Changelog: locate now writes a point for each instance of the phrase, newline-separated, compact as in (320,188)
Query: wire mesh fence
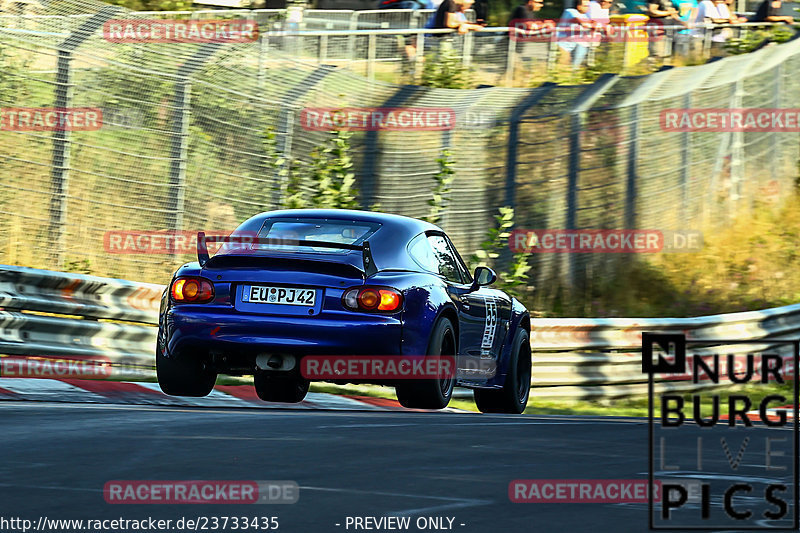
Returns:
(185,125)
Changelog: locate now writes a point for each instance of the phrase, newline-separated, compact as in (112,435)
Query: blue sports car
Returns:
(295,284)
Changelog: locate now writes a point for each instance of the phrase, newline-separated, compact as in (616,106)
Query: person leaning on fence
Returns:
(662,13)
(450,15)
(408,42)
(683,44)
(534,39)
(575,30)
(714,12)
(770,11)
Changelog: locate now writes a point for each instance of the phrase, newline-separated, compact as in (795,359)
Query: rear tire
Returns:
(280,387)
(513,397)
(432,393)
(184,377)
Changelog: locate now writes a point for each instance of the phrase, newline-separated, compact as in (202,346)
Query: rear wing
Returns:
(366,253)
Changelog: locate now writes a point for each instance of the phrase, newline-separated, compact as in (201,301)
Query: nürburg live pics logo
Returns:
(723,433)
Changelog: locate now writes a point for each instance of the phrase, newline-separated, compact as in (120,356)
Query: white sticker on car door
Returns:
(490,326)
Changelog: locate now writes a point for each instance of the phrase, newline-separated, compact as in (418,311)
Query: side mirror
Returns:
(483,276)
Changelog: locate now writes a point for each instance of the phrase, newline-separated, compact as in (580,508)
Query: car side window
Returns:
(421,252)
(445,258)
(462,267)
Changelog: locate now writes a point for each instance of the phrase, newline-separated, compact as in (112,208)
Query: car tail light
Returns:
(377,299)
(192,290)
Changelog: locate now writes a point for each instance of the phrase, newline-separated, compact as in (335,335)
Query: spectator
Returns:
(661,13)
(451,15)
(481,11)
(526,11)
(714,12)
(735,18)
(407,42)
(575,21)
(687,12)
(770,11)
(530,46)
(599,11)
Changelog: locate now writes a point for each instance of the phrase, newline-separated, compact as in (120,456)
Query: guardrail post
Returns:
(59,174)
(179,131)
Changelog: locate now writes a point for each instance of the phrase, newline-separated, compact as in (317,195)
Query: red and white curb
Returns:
(123,392)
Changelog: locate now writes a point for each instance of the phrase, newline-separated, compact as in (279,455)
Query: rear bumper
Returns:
(190,332)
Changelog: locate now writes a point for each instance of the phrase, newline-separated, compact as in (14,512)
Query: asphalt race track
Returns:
(56,459)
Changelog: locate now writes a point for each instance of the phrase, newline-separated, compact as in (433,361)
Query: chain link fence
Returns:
(182,146)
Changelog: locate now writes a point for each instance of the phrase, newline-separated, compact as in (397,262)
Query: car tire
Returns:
(513,397)
(432,393)
(184,377)
(280,386)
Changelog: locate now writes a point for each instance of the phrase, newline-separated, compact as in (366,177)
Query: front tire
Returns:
(184,377)
(280,387)
(513,397)
(432,393)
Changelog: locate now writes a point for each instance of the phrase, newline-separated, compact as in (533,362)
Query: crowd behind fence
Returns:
(184,147)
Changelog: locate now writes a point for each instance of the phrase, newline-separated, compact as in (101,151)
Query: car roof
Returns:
(388,244)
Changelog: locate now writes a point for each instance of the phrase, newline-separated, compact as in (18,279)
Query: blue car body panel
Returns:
(230,333)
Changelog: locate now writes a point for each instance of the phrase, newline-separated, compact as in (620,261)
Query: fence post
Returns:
(582,104)
(351,40)
(777,105)
(371,49)
(686,163)
(286,123)
(631,192)
(369,168)
(466,58)
(512,53)
(737,147)
(60,167)
(179,132)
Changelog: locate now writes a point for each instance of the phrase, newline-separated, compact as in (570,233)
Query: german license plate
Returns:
(261,294)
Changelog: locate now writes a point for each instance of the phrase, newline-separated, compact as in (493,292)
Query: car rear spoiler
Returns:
(366,253)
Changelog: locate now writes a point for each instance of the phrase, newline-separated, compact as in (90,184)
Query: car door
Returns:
(494,306)
(471,310)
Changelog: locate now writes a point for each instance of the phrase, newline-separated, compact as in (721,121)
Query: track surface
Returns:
(56,458)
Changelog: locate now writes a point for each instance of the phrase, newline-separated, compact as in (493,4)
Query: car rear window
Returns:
(327,230)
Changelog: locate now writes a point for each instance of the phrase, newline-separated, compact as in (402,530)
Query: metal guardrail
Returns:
(572,358)
(89,302)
